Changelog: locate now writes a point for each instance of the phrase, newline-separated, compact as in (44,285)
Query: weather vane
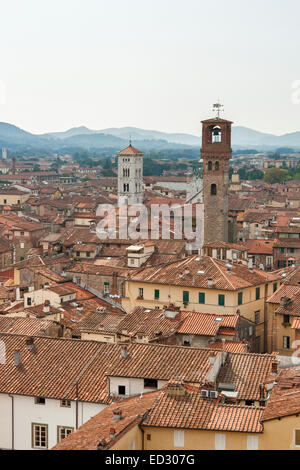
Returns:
(218,107)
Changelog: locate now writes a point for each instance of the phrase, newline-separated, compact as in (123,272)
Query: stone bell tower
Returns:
(130,176)
(216,152)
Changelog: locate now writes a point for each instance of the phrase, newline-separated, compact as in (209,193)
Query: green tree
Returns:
(275,175)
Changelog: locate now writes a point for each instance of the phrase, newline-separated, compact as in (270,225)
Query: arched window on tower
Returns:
(217,166)
(213,190)
(209,166)
(216,134)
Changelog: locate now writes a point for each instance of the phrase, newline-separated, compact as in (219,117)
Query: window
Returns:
(39,436)
(201,298)
(39,401)
(185,297)
(121,390)
(88,254)
(106,287)
(281,250)
(141,293)
(63,432)
(275,287)
(178,438)
(249,402)
(240,298)
(286,342)
(257,317)
(21,245)
(213,190)
(221,300)
(209,166)
(156,294)
(286,319)
(217,166)
(22,234)
(257,293)
(220,441)
(65,403)
(297,437)
(252,443)
(292,250)
(150,383)
(29,301)
(4,201)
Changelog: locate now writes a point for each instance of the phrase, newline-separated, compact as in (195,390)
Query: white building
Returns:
(130,176)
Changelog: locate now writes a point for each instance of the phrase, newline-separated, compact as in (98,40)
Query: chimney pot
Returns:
(124,352)
(29,343)
(112,433)
(117,414)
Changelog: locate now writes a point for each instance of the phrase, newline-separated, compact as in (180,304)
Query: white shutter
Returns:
(220,441)
(178,438)
(252,442)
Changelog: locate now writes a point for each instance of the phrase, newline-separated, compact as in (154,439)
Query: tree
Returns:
(275,175)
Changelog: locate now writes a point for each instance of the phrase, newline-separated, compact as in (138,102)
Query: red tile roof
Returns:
(285,396)
(130,151)
(206,324)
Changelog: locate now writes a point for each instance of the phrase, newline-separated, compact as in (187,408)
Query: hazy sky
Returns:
(156,64)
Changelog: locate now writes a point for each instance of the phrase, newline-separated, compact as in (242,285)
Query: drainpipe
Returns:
(12,422)
(76,400)
(143,437)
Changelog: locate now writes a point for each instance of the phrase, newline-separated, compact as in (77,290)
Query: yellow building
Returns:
(181,417)
(206,285)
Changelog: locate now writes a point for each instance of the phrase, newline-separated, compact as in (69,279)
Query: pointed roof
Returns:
(130,151)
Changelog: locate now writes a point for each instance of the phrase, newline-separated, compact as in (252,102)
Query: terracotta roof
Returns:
(190,411)
(246,371)
(296,323)
(285,396)
(23,326)
(201,269)
(130,151)
(260,247)
(97,429)
(230,346)
(206,324)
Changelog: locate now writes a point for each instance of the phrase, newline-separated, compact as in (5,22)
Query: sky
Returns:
(158,64)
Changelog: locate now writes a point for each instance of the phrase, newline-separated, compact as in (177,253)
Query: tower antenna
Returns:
(218,108)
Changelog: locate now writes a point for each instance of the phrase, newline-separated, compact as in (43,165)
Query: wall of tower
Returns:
(130,180)
(216,156)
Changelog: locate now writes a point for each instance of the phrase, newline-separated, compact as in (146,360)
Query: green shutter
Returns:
(240,298)
(275,287)
(186,296)
(201,298)
(156,294)
(221,300)
(257,293)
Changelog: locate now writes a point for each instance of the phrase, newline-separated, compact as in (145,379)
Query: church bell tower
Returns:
(216,152)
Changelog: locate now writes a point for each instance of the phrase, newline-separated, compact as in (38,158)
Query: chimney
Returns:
(212,358)
(102,445)
(187,272)
(262,392)
(29,343)
(17,357)
(124,352)
(46,308)
(112,434)
(210,282)
(117,413)
(275,367)
(176,388)
(18,295)
(284,301)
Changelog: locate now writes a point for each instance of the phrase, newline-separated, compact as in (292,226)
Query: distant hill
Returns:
(82,138)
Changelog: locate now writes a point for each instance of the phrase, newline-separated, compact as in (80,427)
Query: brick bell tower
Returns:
(216,152)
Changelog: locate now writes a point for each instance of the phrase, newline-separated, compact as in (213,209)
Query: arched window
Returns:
(209,166)
(213,190)
(216,134)
(217,166)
